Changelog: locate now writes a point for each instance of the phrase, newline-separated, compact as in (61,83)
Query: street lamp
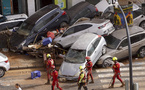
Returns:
(129,46)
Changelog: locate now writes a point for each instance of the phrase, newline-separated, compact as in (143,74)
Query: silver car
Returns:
(117,45)
(97,26)
(88,44)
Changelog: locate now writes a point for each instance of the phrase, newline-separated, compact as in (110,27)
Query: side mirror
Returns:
(120,48)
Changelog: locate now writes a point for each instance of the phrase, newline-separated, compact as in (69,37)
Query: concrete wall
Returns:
(71,3)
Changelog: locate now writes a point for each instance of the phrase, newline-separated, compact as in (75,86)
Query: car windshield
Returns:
(25,28)
(75,56)
(112,42)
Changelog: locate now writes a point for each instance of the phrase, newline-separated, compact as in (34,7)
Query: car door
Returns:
(122,49)
(97,50)
(136,42)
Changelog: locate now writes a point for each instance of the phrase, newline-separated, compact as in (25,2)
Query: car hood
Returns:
(70,69)
(3,57)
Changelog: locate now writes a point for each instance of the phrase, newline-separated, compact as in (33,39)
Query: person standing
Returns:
(54,74)
(116,70)
(82,79)
(89,66)
(49,64)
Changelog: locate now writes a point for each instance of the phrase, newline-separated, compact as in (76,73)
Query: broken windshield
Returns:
(76,56)
(25,28)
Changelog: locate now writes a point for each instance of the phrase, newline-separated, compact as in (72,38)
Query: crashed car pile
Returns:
(77,32)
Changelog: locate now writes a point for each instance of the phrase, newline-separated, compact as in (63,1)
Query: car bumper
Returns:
(68,77)
(7,66)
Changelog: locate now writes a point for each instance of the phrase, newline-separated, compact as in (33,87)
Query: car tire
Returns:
(141,52)
(63,24)
(2,72)
(104,50)
(142,25)
(107,63)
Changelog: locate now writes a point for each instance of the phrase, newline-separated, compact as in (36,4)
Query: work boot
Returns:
(48,82)
(92,81)
(122,84)
(112,86)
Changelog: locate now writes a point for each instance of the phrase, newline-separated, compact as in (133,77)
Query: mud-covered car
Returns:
(81,9)
(117,45)
(4,64)
(88,44)
(97,26)
(46,19)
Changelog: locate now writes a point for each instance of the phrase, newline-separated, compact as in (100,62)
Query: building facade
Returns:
(29,7)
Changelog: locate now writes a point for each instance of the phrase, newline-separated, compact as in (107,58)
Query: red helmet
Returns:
(53,67)
(88,58)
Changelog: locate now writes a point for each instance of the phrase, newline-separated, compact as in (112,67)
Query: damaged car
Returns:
(4,64)
(97,26)
(88,44)
(117,45)
(81,9)
(37,25)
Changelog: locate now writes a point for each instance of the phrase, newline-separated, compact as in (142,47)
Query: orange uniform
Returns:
(89,66)
(55,80)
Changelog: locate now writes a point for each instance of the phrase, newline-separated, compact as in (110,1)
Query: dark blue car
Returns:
(46,19)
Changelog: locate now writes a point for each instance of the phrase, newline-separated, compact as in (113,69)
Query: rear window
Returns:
(44,21)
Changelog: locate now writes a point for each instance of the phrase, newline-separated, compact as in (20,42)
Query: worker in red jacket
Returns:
(89,66)
(116,70)
(54,74)
(49,64)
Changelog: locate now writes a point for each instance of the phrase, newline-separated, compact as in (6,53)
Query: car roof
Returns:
(33,18)
(94,20)
(83,41)
(122,32)
(76,8)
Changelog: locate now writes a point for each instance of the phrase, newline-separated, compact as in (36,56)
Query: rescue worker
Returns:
(82,79)
(89,66)
(54,74)
(116,70)
(49,64)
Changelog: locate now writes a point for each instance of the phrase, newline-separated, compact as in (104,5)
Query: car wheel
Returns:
(104,50)
(63,24)
(141,52)
(2,72)
(107,63)
(142,25)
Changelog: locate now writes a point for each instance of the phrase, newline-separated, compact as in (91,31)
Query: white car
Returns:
(88,44)
(97,26)
(4,64)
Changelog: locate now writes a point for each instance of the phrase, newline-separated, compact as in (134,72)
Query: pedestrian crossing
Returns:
(105,75)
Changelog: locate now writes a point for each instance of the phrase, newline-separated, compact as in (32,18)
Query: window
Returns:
(135,39)
(75,56)
(82,27)
(90,50)
(97,42)
(124,43)
(136,13)
(69,32)
(44,21)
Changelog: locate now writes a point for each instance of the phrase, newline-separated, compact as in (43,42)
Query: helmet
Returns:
(81,67)
(88,58)
(114,58)
(53,67)
(48,56)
